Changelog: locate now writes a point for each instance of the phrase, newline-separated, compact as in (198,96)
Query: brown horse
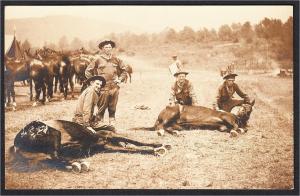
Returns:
(15,70)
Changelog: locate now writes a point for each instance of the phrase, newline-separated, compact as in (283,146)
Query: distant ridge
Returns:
(52,28)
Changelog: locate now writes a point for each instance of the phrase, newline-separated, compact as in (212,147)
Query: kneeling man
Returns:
(87,103)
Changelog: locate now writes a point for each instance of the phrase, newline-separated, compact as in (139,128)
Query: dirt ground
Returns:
(199,159)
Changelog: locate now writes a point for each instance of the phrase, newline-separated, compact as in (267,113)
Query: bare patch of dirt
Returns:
(200,159)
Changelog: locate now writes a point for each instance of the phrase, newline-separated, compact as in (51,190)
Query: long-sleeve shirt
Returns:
(85,106)
(183,93)
(225,93)
(111,68)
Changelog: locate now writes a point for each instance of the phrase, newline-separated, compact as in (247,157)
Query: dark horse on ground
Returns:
(65,141)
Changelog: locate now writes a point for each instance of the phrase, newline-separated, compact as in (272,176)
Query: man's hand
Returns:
(214,107)
(117,81)
(171,103)
(92,130)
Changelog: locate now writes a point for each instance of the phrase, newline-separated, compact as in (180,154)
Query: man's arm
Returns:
(123,72)
(89,71)
(241,93)
(172,98)
(88,108)
(216,103)
(192,94)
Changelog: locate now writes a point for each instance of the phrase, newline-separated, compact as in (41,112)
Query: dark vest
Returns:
(183,97)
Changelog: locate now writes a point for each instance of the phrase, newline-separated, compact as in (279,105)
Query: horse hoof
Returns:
(168,146)
(85,166)
(161,151)
(241,131)
(69,167)
(14,109)
(175,133)
(34,104)
(14,104)
(76,167)
(160,132)
(233,133)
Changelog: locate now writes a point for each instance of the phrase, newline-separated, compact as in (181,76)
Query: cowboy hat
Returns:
(181,72)
(96,78)
(229,75)
(229,72)
(105,42)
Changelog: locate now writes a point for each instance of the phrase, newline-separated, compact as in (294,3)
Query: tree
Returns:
(76,43)
(187,34)
(171,35)
(225,33)
(247,32)
(26,45)
(63,43)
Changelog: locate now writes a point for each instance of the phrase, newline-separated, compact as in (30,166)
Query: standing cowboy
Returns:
(225,100)
(182,91)
(114,71)
(87,103)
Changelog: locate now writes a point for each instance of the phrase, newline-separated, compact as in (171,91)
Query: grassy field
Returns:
(199,159)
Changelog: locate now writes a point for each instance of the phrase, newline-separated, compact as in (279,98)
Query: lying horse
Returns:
(180,117)
(54,136)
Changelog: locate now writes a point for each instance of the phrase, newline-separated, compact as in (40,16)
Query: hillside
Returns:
(52,28)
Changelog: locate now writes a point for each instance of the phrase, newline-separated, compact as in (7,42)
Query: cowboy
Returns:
(225,100)
(182,91)
(87,103)
(114,71)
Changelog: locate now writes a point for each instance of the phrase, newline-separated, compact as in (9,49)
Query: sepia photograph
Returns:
(149,97)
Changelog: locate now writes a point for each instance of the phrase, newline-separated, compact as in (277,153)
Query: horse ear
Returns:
(252,102)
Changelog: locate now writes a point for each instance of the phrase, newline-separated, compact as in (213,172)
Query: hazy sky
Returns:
(156,18)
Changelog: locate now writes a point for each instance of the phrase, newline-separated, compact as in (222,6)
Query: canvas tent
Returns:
(15,51)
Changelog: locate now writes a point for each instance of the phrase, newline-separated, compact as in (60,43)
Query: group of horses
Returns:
(46,68)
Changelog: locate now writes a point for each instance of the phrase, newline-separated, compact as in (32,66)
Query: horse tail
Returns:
(15,155)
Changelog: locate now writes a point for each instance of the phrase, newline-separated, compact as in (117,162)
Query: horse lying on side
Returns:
(55,136)
(180,117)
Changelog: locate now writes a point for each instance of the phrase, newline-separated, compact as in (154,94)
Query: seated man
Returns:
(225,100)
(182,92)
(87,103)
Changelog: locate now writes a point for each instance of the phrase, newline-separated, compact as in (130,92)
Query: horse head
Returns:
(244,111)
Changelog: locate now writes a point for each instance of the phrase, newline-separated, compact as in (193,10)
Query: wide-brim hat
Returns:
(105,42)
(181,72)
(231,75)
(93,78)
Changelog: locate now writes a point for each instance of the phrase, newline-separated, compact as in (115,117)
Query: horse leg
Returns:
(55,83)
(130,78)
(44,93)
(37,92)
(61,87)
(13,95)
(50,87)
(65,89)
(72,86)
(117,139)
(30,89)
(55,143)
